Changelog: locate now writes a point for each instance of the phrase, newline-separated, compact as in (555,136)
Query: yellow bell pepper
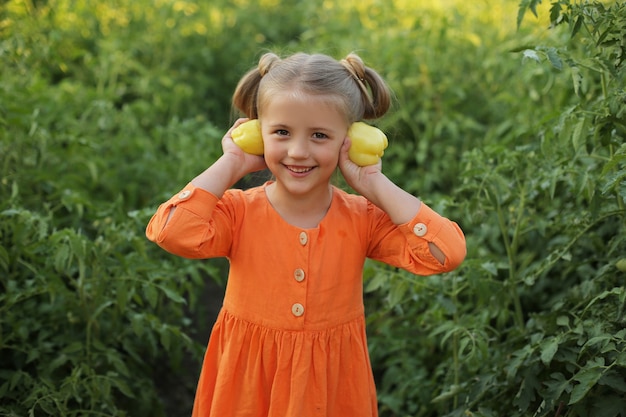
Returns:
(248,137)
(368,144)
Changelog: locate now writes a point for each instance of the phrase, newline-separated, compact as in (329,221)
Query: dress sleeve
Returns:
(196,229)
(406,245)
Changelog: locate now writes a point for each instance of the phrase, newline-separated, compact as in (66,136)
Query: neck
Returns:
(305,211)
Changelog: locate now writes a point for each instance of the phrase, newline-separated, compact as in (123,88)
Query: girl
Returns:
(290,338)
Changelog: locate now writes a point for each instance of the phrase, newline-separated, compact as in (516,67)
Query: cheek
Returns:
(332,153)
(271,149)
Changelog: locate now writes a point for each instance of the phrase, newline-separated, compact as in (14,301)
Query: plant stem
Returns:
(455,344)
(511,249)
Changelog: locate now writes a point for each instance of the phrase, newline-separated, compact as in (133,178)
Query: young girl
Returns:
(290,338)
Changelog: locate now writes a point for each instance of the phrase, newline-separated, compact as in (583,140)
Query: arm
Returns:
(181,224)
(370,182)
(228,169)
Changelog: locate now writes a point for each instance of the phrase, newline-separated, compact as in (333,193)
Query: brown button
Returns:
(303,238)
(297,309)
(298,274)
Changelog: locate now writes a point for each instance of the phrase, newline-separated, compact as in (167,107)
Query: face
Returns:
(302,136)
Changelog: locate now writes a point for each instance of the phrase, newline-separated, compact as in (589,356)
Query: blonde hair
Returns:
(359,91)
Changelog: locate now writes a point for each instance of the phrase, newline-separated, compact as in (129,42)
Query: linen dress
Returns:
(290,338)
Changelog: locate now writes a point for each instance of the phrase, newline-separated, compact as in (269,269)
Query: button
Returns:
(303,238)
(184,194)
(298,274)
(297,309)
(420,229)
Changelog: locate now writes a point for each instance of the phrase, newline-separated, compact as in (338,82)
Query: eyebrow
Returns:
(287,127)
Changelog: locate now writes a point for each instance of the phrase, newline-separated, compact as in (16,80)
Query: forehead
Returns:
(301,107)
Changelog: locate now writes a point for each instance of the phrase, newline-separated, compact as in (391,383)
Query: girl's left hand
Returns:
(357,177)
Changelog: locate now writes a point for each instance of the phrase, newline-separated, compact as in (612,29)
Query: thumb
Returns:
(343,153)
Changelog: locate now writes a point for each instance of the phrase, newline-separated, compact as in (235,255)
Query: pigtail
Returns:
(381,95)
(244,97)
(246,92)
(375,92)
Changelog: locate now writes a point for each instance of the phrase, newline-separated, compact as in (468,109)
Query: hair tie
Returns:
(347,65)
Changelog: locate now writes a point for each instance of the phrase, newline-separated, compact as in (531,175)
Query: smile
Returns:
(299,170)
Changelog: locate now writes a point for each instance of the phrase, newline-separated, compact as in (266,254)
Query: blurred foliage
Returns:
(508,117)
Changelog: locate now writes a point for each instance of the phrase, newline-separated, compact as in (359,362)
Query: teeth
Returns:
(300,170)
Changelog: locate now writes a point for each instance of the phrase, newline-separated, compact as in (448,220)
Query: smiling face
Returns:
(302,135)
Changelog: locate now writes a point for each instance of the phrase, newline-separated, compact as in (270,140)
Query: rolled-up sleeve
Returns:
(192,224)
(407,246)
(429,226)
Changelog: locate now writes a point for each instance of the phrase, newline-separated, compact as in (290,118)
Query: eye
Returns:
(281,132)
(319,135)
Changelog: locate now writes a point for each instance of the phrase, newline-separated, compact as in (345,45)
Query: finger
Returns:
(345,147)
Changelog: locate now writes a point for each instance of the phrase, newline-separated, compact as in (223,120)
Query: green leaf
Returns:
(490,267)
(137,323)
(100,309)
(172,295)
(59,361)
(579,135)
(376,282)
(577,79)
(597,340)
(151,294)
(613,180)
(531,54)
(554,58)
(33,354)
(74,347)
(557,385)
(521,11)
(118,364)
(526,5)
(62,258)
(446,395)
(527,392)
(562,321)
(123,387)
(555,12)
(519,358)
(587,378)
(78,246)
(577,25)
(548,348)
(617,159)
(397,292)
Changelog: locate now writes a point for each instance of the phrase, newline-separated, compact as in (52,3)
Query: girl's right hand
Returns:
(246,162)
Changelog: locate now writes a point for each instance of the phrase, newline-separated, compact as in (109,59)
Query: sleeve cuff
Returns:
(426,224)
(195,200)
(434,228)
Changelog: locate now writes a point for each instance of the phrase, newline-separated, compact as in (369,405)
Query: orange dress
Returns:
(290,339)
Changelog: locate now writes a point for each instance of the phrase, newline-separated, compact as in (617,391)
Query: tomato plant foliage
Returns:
(509,117)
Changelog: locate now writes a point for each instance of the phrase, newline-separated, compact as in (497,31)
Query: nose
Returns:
(298,148)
